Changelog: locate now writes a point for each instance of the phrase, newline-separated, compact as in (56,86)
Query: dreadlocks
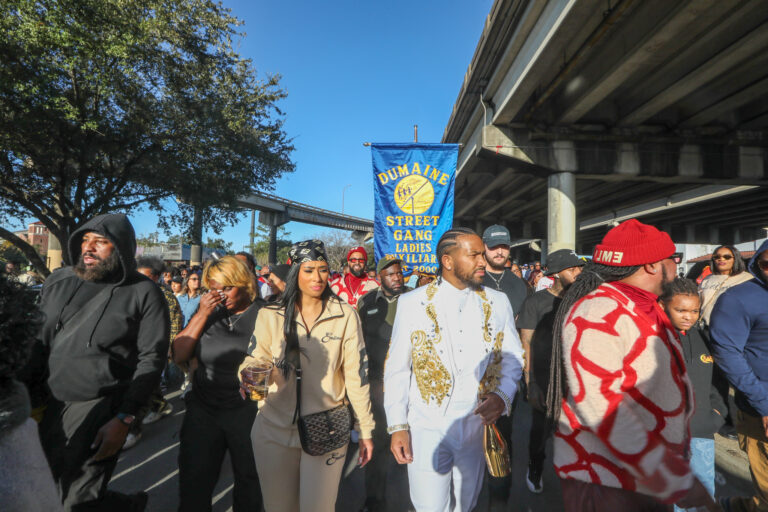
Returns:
(448,242)
(593,275)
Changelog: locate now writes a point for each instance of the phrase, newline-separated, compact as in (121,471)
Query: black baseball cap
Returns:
(561,260)
(496,235)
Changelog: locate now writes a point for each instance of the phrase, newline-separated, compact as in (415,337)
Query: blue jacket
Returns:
(739,329)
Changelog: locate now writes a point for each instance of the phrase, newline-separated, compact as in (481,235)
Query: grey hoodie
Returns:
(116,339)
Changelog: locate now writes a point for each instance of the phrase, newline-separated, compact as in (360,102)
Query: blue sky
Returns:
(354,72)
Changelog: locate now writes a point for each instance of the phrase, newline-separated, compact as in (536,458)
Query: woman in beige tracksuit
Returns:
(312,322)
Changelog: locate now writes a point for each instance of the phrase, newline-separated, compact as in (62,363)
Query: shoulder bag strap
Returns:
(297,412)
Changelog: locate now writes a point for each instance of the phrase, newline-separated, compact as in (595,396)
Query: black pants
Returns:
(66,433)
(206,435)
(537,441)
(376,469)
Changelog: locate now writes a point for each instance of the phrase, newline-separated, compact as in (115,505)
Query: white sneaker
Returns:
(153,416)
(537,487)
(130,440)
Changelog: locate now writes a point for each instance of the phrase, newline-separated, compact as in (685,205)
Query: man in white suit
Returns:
(453,365)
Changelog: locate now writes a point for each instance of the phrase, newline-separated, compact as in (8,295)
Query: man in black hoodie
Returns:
(106,334)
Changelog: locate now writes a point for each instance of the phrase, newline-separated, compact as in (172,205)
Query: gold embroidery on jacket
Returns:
(431,290)
(433,316)
(432,378)
(490,380)
(486,320)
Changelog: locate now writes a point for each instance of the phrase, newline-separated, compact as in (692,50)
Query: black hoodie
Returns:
(105,338)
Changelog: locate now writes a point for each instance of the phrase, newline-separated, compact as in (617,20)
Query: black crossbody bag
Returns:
(323,431)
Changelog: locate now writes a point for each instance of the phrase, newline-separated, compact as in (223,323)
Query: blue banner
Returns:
(413,195)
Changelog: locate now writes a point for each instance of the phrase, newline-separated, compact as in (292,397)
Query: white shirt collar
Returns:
(451,291)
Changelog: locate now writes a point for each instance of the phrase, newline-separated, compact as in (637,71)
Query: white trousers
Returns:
(445,453)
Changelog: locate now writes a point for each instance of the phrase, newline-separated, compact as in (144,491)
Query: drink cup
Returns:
(256,380)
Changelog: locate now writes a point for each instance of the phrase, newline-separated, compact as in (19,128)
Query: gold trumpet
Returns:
(496,452)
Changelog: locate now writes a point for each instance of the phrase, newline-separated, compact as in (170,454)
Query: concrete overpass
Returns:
(577,114)
(275,211)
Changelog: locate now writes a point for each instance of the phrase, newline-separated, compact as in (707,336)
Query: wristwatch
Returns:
(126,419)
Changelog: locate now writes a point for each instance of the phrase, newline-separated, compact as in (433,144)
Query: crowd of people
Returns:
(627,367)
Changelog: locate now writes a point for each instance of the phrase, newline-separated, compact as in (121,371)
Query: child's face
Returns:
(683,311)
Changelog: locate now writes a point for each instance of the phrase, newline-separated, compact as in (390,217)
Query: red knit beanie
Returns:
(633,243)
(358,249)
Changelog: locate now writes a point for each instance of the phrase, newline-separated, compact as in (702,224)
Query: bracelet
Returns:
(398,428)
(507,401)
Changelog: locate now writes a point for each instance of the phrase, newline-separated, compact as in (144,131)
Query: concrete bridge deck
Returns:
(574,114)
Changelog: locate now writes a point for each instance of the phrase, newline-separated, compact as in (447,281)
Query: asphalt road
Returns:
(152,466)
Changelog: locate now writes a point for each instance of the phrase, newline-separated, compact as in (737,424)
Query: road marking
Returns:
(221,494)
(180,412)
(161,482)
(156,455)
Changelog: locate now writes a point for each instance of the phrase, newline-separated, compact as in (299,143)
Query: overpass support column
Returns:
(561,209)
(273,220)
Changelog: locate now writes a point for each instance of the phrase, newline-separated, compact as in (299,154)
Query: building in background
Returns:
(35,235)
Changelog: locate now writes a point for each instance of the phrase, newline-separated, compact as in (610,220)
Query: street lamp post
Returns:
(342,197)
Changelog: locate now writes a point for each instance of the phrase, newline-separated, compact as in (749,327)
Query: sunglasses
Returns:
(677,257)
(763,264)
(356,260)
(722,257)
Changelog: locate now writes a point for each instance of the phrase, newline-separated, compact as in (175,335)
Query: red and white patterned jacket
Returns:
(351,296)
(625,420)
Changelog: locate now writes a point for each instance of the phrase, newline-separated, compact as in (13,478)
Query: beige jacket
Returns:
(334,365)
(713,286)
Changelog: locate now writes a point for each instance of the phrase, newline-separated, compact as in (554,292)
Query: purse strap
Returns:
(297,412)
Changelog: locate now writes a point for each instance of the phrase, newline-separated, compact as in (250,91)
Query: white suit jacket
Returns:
(438,332)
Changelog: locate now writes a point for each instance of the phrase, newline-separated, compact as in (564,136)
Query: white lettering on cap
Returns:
(498,233)
(610,256)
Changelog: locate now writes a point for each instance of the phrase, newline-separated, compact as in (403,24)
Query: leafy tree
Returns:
(178,239)
(260,248)
(108,105)
(148,240)
(9,252)
(219,244)
(369,248)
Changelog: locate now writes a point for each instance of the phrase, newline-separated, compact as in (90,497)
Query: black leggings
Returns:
(206,435)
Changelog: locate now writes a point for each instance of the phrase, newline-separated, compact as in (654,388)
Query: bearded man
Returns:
(453,366)
(497,275)
(619,394)
(353,285)
(106,334)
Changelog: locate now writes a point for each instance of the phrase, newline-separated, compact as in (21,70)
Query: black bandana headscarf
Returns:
(308,250)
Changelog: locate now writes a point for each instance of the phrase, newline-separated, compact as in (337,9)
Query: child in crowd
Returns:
(683,306)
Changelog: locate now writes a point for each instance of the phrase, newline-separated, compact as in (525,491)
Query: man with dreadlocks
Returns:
(618,386)
(453,365)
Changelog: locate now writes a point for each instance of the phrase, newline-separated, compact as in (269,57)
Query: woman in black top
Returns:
(217,420)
